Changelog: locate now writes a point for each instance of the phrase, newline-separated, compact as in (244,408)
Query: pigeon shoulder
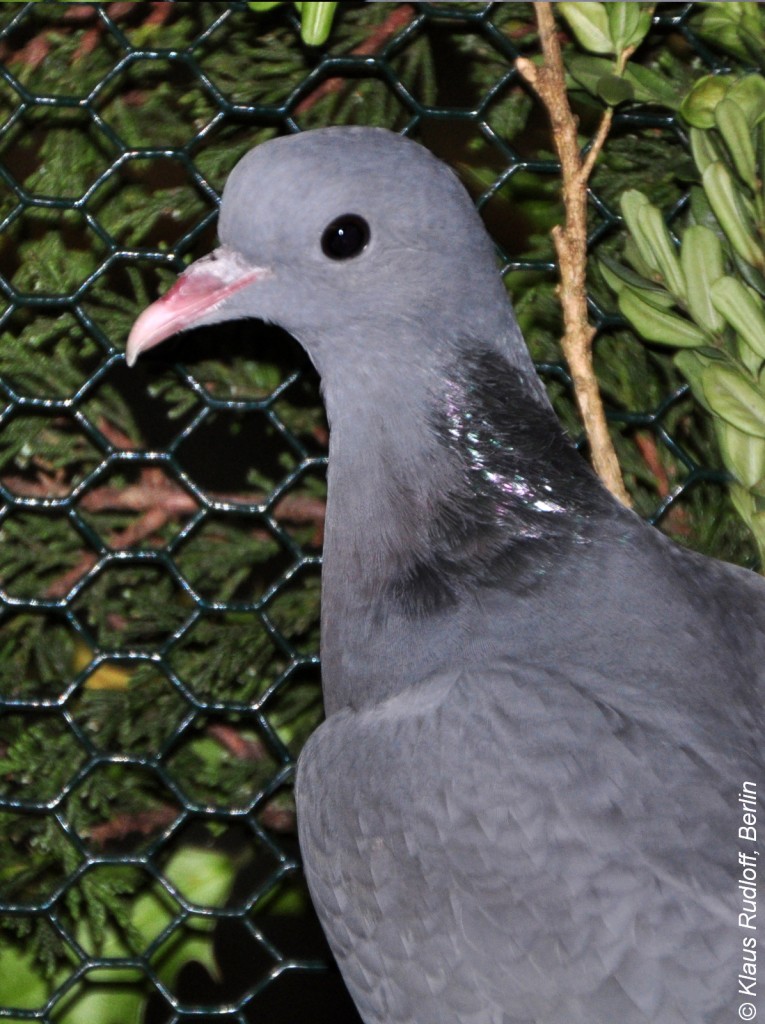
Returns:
(515,794)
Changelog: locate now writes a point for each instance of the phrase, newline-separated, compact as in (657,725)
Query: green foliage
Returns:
(31,967)
(315,20)
(736,28)
(707,297)
(608,27)
(616,29)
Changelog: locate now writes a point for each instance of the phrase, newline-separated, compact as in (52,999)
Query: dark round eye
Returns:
(346,236)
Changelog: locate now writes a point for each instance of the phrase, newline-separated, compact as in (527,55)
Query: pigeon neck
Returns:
(432,503)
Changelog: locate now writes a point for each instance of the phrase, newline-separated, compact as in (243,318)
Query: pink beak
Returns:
(199,291)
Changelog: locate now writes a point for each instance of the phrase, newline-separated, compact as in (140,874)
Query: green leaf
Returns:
(721,25)
(743,309)
(752,31)
(657,325)
(632,202)
(589,23)
(749,274)
(588,71)
(22,984)
(702,213)
(652,224)
(619,277)
(759,136)
(701,258)
(112,998)
(742,453)
(614,90)
(735,398)
(643,25)
(749,93)
(315,19)
(734,128)
(704,149)
(720,189)
(698,107)
(692,363)
(114,995)
(316,22)
(203,876)
(648,86)
(652,87)
(637,263)
(624,23)
(628,24)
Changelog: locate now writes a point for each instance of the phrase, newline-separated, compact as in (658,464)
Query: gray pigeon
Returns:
(534,797)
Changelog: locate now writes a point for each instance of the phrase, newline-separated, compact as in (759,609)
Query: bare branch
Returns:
(240,747)
(143,823)
(549,82)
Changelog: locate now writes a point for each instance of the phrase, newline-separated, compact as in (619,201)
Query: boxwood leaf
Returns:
(589,23)
(698,107)
(749,93)
(618,277)
(743,309)
(614,90)
(735,398)
(624,25)
(655,231)
(651,87)
(734,128)
(658,325)
(704,149)
(701,258)
(728,206)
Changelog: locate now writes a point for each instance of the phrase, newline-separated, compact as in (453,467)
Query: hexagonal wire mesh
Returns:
(159,607)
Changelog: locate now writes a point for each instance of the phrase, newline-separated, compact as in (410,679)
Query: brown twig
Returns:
(676,516)
(87,13)
(278,819)
(157,500)
(648,449)
(78,16)
(150,522)
(115,436)
(33,55)
(570,239)
(159,12)
(397,20)
(143,823)
(171,498)
(240,747)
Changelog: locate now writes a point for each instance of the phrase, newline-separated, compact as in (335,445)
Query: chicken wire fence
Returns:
(161,527)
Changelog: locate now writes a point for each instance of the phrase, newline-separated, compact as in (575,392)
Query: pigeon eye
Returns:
(345,237)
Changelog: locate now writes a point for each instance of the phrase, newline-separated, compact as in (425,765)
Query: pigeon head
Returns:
(357,241)
(448,472)
(368,250)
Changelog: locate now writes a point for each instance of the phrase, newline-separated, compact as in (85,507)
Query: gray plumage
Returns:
(523,805)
